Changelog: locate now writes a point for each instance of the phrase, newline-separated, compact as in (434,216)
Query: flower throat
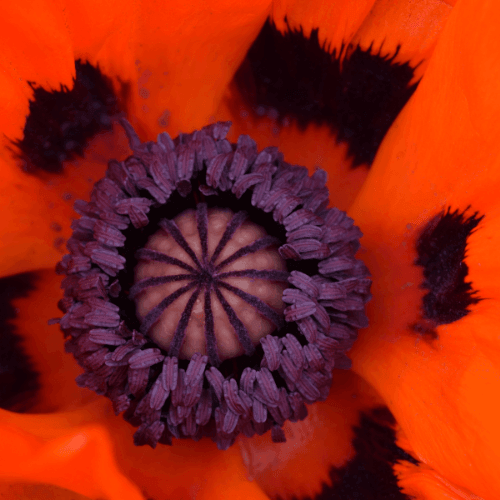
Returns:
(209,289)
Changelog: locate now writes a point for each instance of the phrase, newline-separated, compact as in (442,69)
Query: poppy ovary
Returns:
(210,281)
(241,217)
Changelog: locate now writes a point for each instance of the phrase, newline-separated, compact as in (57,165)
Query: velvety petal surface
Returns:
(441,153)
(84,424)
(406,29)
(68,450)
(38,210)
(301,467)
(423,483)
(177,58)
(42,53)
(409,27)
(402,33)
(338,22)
(36,48)
(163,62)
(21,491)
(313,147)
(187,470)
(44,345)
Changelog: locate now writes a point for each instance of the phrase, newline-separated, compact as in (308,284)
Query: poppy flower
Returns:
(397,102)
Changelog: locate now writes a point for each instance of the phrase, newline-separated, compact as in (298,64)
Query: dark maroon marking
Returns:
(147,254)
(441,252)
(157,280)
(256,303)
(235,222)
(18,378)
(61,122)
(261,243)
(271,274)
(213,355)
(171,228)
(180,331)
(202,225)
(299,79)
(369,474)
(152,317)
(236,323)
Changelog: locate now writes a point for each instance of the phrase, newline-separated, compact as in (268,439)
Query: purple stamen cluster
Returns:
(169,397)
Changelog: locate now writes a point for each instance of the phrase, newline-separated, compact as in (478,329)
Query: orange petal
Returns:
(443,149)
(15,106)
(41,54)
(32,222)
(410,28)
(440,393)
(44,345)
(21,491)
(381,28)
(175,60)
(37,211)
(178,57)
(316,146)
(86,450)
(185,470)
(313,147)
(419,481)
(36,47)
(422,483)
(441,152)
(59,450)
(229,481)
(300,467)
(483,273)
(36,43)
(210,45)
(105,35)
(337,21)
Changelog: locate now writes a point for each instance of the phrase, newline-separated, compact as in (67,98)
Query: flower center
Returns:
(175,310)
(207,282)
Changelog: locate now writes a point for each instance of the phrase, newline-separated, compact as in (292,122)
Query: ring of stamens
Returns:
(161,390)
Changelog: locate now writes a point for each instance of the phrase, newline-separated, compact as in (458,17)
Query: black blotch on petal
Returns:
(369,475)
(18,379)
(441,252)
(374,91)
(60,122)
(302,80)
